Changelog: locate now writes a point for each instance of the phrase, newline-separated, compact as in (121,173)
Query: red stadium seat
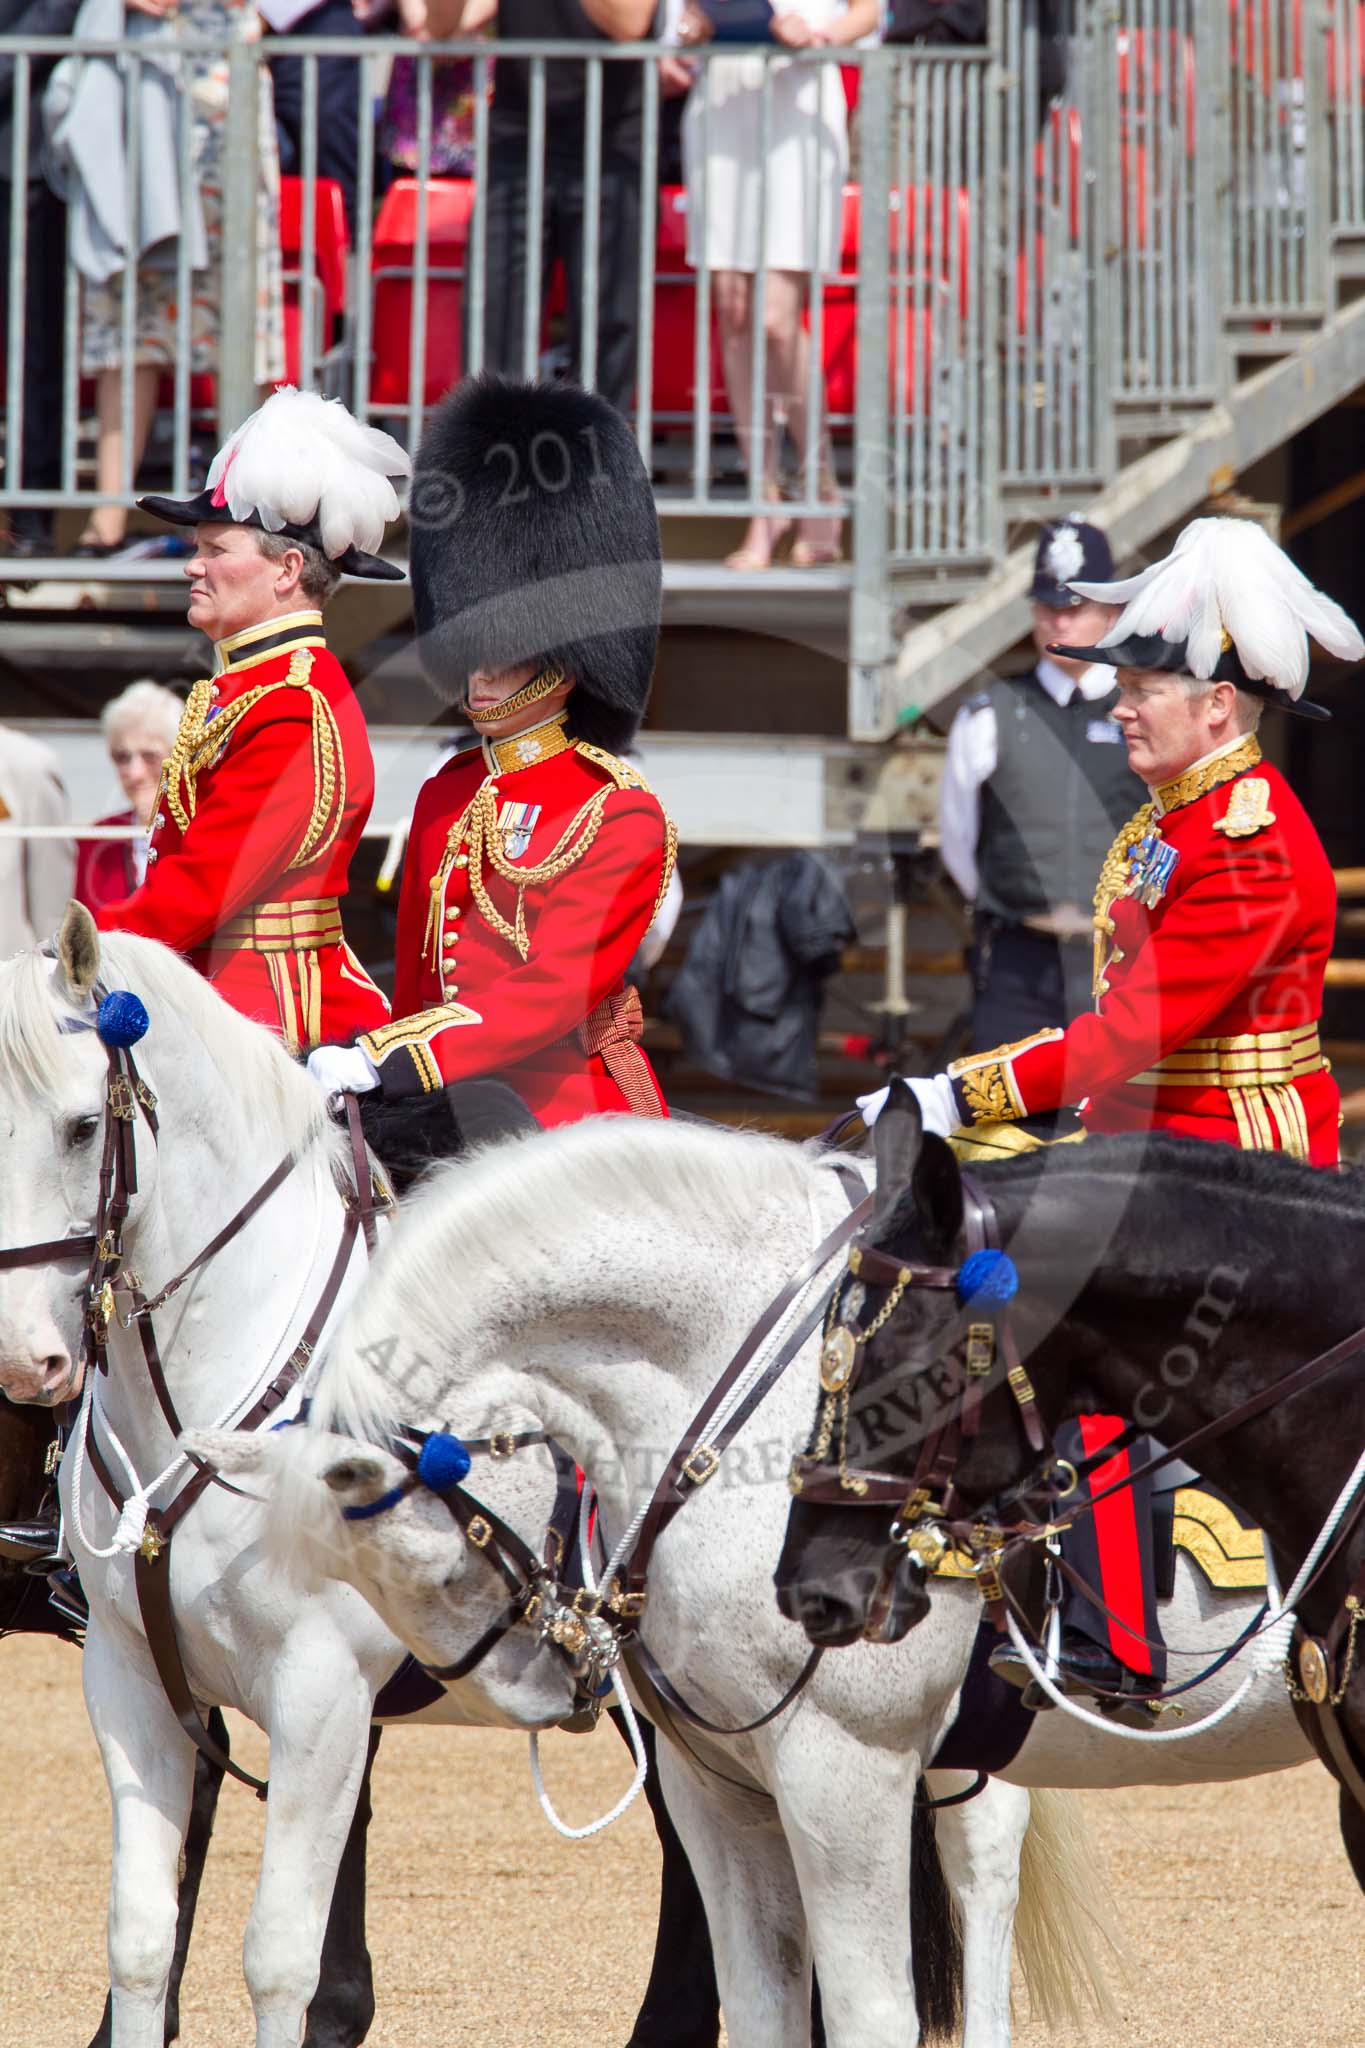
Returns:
(675,315)
(1057,165)
(1256,40)
(393,265)
(933,230)
(1346,64)
(331,250)
(1154,66)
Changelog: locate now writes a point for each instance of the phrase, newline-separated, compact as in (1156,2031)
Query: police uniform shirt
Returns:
(973,755)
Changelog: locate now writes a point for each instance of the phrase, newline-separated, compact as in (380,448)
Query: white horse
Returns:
(619,1264)
(231,1105)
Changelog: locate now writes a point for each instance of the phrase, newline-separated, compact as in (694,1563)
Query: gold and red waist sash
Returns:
(1257,1069)
(1247,1059)
(281,931)
(283,928)
(612,1033)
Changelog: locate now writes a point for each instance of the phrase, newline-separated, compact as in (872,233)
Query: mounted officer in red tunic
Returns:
(270,780)
(537,859)
(1214,918)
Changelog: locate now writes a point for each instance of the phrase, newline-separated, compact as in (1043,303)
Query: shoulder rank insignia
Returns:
(1150,867)
(517,822)
(1249,809)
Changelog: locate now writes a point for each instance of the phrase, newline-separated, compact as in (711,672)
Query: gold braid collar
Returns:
(200,739)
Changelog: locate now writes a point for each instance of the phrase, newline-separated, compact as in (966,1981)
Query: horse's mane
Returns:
(284,1106)
(467,1245)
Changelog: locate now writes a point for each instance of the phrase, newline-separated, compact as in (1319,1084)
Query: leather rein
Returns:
(126,1096)
(595,1629)
(927,1521)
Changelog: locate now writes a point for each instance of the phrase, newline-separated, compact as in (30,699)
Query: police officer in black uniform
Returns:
(1035,785)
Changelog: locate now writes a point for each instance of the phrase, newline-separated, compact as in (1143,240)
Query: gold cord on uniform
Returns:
(477,826)
(200,739)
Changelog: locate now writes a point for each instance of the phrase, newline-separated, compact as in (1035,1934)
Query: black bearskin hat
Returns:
(535,539)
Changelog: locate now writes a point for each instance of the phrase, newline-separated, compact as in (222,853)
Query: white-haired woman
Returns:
(138,726)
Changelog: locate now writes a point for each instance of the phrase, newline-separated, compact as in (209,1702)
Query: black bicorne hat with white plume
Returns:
(303,466)
(1228,606)
(535,540)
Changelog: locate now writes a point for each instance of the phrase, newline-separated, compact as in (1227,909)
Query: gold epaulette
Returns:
(201,739)
(627,777)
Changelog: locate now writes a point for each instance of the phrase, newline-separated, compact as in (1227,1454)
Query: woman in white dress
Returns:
(796,207)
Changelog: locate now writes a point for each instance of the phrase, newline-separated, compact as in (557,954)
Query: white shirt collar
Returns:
(1095,682)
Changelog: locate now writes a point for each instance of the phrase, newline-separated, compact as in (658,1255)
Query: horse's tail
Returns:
(1067,1936)
(935,1936)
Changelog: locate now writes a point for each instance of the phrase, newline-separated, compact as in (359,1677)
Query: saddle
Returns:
(410,1133)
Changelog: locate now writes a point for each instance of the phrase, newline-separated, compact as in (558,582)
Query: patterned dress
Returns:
(157,316)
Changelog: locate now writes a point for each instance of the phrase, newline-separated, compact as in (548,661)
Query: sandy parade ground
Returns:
(1244,1921)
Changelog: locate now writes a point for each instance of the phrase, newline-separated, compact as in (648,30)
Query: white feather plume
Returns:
(1226,576)
(301,456)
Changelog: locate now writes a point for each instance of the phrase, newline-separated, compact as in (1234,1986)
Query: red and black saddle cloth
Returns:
(1115,1549)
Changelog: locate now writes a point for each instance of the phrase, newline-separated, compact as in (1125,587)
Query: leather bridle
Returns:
(596,1629)
(531,1581)
(823,1481)
(127,1096)
(927,1520)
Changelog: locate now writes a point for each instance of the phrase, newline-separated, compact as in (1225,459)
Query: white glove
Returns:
(338,1067)
(937,1104)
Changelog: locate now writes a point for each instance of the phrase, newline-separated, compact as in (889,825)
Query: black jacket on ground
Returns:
(748,995)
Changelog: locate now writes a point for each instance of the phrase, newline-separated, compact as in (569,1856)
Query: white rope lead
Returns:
(623,1550)
(1327,1532)
(1276,1636)
(595,1827)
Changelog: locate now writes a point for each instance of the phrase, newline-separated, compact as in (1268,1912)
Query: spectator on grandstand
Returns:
(35,873)
(340,87)
(563,227)
(139,726)
(88,140)
(728,183)
(940,22)
(454,83)
(30,527)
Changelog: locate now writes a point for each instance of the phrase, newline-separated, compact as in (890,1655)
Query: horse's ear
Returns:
(359,1475)
(897,1137)
(78,953)
(937,1187)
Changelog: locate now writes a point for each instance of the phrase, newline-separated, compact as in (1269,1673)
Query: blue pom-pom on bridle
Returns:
(442,1462)
(987,1280)
(122,1019)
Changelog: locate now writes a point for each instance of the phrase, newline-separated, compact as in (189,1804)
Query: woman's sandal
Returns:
(819,540)
(750,556)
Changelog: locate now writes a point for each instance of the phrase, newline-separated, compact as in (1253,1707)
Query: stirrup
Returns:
(67,1595)
(28,1543)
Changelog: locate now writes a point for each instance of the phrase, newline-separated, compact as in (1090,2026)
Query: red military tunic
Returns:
(1213,935)
(261,807)
(534,867)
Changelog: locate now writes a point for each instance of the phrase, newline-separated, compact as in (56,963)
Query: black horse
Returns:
(1163,1279)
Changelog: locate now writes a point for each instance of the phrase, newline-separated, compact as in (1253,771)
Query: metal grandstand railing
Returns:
(1007,293)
